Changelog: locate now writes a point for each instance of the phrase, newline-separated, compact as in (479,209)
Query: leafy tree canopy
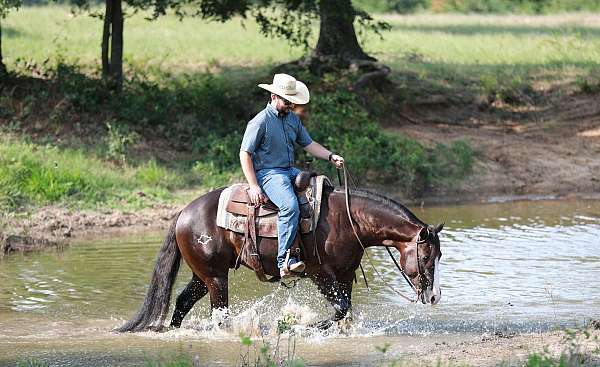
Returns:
(288,19)
(6,5)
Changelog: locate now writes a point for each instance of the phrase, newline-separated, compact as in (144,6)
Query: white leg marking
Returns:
(436,281)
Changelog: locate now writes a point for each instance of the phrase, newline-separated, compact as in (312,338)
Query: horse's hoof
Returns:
(161,328)
(323,325)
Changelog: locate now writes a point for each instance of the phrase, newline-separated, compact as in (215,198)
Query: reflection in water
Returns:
(519,266)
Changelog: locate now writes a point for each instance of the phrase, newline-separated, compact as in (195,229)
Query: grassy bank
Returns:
(191,88)
(45,174)
(473,58)
(450,43)
(72,142)
(465,58)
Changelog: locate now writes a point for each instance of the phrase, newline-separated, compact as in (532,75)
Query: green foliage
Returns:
(371,6)
(81,91)
(264,356)
(589,84)
(512,88)
(31,362)
(151,174)
(210,176)
(407,6)
(118,140)
(34,174)
(383,349)
(286,323)
(395,6)
(382,158)
(292,19)
(6,5)
(245,340)
(521,6)
(204,115)
(292,24)
(450,164)
(576,351)
(480,6)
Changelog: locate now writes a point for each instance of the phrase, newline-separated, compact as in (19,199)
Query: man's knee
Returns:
(289,207)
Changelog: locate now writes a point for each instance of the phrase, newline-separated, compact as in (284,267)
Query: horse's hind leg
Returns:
(195,290)
(219,292)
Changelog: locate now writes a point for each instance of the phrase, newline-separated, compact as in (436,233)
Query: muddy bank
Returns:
(53,227)
(547,149)
(504,349)
(481,350)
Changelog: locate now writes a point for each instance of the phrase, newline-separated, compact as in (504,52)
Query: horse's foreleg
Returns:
(339,294)
(195,290)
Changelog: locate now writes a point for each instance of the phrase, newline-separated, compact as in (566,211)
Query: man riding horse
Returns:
(267,159)
(334,250)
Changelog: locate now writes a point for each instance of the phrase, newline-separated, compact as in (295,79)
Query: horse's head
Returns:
(420,261)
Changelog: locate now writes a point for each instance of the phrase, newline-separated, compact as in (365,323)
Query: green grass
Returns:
(449,54)
(464,43)
(38,174)
(108,174)
(192,44)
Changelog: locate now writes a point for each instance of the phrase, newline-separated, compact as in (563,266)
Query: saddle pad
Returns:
(267,225)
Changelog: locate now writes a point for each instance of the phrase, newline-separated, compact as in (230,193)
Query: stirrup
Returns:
(286,266)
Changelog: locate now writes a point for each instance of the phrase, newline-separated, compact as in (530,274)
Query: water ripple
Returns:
(513,265)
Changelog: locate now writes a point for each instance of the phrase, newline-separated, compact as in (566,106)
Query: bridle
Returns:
(420,272)
(417,242)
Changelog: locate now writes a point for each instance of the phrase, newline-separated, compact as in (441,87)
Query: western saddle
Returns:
(239,203)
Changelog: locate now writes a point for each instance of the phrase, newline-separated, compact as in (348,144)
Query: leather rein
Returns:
(416,242)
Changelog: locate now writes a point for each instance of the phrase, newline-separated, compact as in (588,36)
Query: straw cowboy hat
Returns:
(287,87)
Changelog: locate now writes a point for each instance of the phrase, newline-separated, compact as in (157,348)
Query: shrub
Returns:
(118,140)
(589,84)
(378,157)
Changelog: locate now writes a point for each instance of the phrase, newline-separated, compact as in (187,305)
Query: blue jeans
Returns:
(278,184)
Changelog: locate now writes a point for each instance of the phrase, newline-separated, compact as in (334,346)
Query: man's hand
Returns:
(256,196)
(337,160)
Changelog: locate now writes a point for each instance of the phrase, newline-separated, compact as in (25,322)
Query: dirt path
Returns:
(551,150)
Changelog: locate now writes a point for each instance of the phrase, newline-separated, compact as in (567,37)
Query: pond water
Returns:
(507,267)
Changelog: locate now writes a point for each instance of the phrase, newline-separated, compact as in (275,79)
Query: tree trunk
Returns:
(3,71)
(337,37)
(116,47)
(112,44)
(106,38)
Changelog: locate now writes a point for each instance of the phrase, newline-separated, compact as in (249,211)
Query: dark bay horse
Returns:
(211,252)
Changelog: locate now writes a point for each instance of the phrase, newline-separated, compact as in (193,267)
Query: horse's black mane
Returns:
(392,204)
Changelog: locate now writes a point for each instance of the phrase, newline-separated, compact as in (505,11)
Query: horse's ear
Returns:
(438,228)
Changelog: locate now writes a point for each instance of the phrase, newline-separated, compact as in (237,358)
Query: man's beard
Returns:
(283,112)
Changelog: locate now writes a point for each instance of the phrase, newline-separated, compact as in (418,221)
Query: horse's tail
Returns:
(158,298)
